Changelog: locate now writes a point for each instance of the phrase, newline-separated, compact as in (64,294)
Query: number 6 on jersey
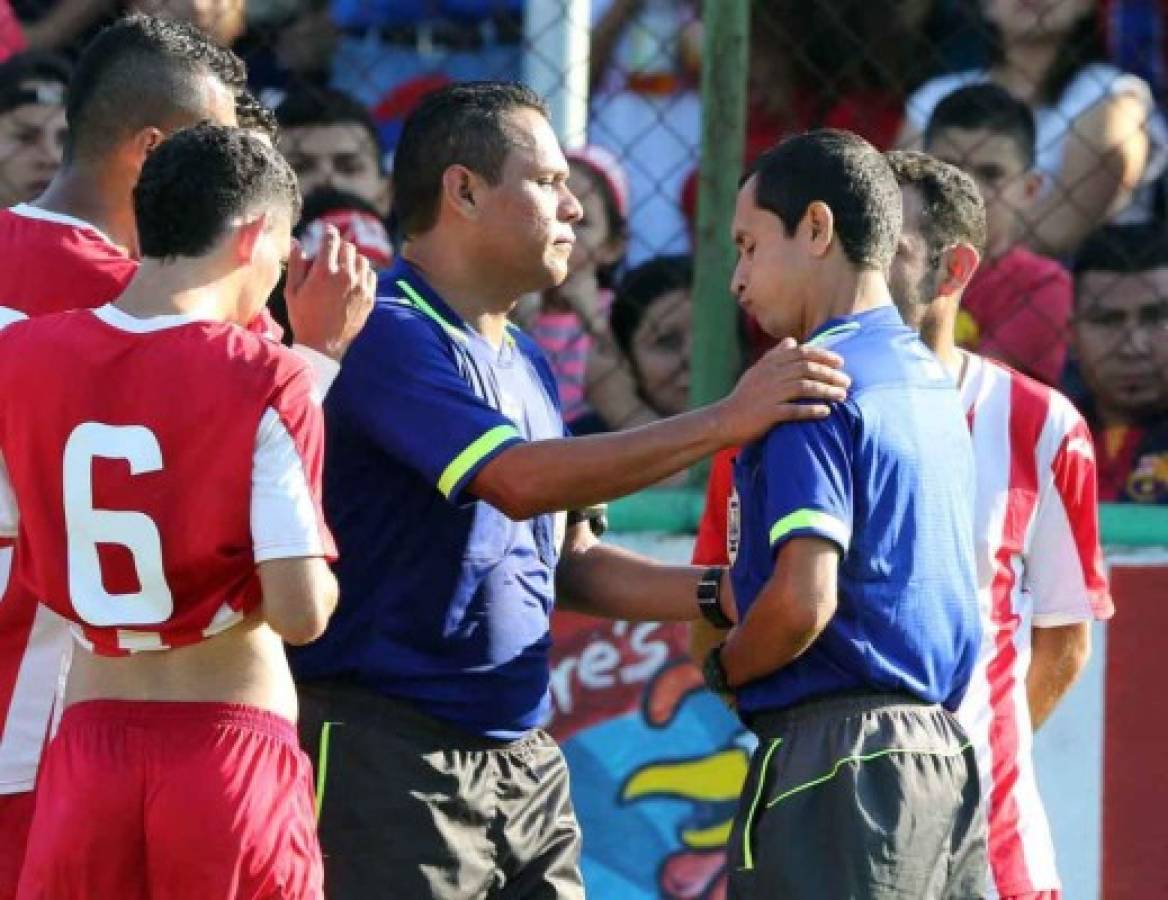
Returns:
(87,527)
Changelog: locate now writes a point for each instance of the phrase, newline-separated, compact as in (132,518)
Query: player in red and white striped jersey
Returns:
(69,249)
(164,474)
(1040,566)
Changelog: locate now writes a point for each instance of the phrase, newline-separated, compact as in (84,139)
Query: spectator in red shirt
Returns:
(1018,306)
(1121,341)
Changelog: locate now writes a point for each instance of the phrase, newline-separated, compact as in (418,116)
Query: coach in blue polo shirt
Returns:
(854,572)
(446,464)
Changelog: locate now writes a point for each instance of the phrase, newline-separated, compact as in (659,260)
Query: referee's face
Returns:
(525,227)
(767,279)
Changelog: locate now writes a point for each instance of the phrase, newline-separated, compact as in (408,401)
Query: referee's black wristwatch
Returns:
(710,598)
(714,673)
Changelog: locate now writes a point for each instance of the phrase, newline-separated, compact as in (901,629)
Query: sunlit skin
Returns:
(1121,335)
(32,139)
(1036,19)
(343,157)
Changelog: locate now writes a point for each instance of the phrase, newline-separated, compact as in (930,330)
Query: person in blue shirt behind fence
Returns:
(446,466)
(853,566)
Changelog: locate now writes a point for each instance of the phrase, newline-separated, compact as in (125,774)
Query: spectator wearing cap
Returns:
(32,124)
(386,43)
(573,317)
(1121,341)
(330,140)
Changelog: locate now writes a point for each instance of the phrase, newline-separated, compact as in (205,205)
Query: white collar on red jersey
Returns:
(28,211)
(114,317)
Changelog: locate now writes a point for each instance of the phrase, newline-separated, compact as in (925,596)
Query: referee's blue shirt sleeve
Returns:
(400,385)
(809,484)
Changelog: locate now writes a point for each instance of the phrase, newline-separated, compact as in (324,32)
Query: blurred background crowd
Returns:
(1055,107)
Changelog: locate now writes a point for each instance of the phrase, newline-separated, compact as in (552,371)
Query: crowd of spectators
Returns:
(1053,106)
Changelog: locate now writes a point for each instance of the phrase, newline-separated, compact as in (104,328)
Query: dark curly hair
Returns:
(952,210)
(843,171)
(142,71)
(202,178)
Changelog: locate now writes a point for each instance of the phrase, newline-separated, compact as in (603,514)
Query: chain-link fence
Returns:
(1069,155)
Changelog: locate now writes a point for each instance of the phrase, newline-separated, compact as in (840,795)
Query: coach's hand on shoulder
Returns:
(771,390)
(330,296)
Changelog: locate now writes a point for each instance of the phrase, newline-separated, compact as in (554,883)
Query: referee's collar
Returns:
(405,281)
(841,326)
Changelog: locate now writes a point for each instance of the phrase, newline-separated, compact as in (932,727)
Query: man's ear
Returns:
(144,142)
(247,238)
(462,191)
(957,267)
(819,225)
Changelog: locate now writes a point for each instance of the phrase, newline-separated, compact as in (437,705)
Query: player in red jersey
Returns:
(163,468)
(71,248)
(1040,567)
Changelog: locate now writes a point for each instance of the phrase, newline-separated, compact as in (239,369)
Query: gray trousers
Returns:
(859,797)
(411,808)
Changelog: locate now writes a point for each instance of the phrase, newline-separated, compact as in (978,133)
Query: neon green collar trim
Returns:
(420,302)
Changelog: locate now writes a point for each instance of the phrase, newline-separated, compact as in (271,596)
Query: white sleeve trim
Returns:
(9,512)
(1056,620)
(283,513)
(324,370)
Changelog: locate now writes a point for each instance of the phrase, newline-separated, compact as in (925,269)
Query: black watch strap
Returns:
(710,598)
(714,673)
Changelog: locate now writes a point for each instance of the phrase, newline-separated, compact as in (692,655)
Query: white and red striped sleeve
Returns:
(287,517)
(1064,567)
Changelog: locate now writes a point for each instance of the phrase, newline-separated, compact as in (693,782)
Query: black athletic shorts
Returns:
(859,797)
(411,808)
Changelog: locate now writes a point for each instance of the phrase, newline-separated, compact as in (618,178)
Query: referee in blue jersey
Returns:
(854,569)
(446,465)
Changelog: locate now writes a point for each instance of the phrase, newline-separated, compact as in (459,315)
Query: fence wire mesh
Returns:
(1070,161)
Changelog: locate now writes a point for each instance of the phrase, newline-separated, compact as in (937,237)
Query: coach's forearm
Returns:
(1057,657)
(605,581)
(543,476)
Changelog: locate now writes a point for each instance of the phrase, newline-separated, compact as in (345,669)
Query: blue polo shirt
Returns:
(888,478)
(444,600)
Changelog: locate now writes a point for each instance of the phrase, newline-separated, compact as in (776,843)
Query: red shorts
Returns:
(15,817)
(173,801)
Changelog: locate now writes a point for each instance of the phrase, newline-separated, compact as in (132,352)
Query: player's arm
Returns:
(613,583)
(789,613)
(299,597)
(290,541)
(542,476)
(1064,569)
(1058,656)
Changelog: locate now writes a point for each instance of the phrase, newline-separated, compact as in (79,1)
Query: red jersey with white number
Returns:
(153,463)
(1039,565)
(51,263)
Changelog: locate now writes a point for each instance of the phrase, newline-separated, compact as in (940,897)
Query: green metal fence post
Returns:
(714,358)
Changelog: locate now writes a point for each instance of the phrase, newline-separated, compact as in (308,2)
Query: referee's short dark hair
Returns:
(460,124)
(843,171)
(142,71)
(986,107)
(209,174)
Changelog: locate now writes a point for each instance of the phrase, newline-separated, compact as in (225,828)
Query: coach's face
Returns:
(526,222)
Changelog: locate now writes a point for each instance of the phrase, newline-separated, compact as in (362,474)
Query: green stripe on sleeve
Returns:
(473,455)
(811,518)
